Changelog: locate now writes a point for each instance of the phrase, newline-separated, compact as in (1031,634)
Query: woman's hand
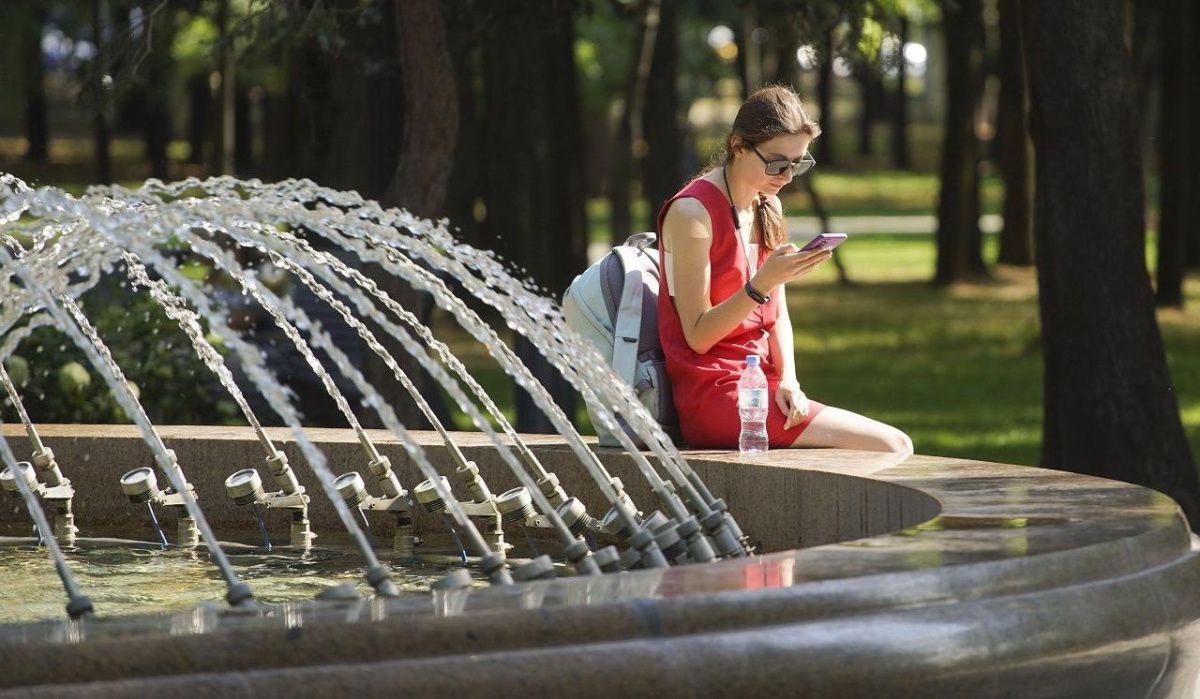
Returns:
(786,264)
(792,402)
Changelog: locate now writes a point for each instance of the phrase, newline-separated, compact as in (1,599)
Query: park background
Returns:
(547,130)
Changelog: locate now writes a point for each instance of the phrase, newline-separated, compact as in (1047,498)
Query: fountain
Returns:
(629,556)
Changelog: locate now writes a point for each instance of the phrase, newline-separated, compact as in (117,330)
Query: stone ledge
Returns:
(995,580)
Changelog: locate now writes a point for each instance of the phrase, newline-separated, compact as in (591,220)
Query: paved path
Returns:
(804,227)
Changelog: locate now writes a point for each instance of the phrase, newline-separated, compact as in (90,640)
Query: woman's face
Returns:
(788,147)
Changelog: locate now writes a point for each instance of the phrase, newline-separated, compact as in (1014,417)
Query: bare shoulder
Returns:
(687,218)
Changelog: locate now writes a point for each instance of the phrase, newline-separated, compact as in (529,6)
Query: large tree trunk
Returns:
(1192,244)
(226,65)
(1110,409)
(661,177)
(958,235)
(825,97)
(1012,139)
(419,180)
(101,91)
(199,124)
(1176,122)
(628,130)
(901,159)
(37,129)
(534,201)
(159,67)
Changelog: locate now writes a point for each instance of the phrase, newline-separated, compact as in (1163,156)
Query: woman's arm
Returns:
(687,235)
(780,342)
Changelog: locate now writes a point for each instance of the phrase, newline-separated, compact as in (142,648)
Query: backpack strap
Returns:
(628,327)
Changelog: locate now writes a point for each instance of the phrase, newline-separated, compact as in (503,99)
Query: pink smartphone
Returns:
(824,241)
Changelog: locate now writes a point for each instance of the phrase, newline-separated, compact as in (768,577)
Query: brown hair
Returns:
(772,111)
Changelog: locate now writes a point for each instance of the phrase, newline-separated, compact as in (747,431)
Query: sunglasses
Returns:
(777,167)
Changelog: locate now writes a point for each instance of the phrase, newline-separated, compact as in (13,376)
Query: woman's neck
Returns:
(740,194)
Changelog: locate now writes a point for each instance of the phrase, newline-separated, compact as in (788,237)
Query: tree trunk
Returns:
(37,129)
(1110,409)
(158,66)
(200,108)
(1176,186)
(101,91)
(419,180)
(901,159)
(226,164)
(628,129)
(661,177)
(825,97)
(870,89)
(1192,244)
(958,236)
(534,203)
(1012,139)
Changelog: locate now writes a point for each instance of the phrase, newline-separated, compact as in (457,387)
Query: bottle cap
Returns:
(751,360)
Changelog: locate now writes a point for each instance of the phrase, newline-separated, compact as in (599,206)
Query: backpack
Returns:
(614,305)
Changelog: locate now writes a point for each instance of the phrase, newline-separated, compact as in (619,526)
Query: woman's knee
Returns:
(898,442)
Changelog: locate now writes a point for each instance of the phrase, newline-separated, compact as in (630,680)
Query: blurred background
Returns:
(546,130)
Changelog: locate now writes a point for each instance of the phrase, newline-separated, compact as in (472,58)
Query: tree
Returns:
(37,129)
(420,177)
(959,240)
(1110,409)
(101,86)
(661,176)
(158,26)
(627,131)
(534,188)
(901,159)
(1176,173)
(1012,139)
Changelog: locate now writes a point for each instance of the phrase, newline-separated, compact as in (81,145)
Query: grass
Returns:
(959,369)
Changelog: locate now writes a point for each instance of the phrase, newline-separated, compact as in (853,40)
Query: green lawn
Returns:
(958,369)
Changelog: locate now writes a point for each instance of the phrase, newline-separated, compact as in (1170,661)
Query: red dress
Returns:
(704,386)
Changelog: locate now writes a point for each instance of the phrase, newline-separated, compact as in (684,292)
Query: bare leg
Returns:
(842,429)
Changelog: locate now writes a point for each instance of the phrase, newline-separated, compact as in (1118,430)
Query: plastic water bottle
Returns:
(752,406)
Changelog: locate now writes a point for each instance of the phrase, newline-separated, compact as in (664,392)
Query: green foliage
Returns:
(58,384)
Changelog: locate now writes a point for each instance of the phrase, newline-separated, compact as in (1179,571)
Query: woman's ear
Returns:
(736,145)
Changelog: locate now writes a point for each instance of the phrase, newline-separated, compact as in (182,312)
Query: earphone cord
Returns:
(737,224)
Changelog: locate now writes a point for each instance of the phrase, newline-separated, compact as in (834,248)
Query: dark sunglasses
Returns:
(776,167)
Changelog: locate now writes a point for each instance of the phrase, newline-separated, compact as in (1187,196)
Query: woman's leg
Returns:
(842,429)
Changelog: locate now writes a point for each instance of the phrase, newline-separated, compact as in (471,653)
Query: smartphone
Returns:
(824,241)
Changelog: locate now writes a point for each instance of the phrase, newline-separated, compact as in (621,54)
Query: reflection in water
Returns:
(129,578)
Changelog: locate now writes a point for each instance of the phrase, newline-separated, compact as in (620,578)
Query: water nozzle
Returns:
(9,480)
(140,485)
(245,487)
(352,488)
(426,494)
(575,516)
(515,505)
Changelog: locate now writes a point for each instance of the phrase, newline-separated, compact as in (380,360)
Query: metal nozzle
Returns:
(140,485)
(8,479)
(352,488)
(515,505)
(427,494)
(245,487)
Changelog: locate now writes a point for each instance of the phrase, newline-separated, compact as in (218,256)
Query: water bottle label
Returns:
(752,399)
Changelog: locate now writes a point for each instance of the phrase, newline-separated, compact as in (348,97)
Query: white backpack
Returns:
(614,305)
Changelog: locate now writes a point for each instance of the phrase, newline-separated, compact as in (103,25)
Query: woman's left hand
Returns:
(792,402)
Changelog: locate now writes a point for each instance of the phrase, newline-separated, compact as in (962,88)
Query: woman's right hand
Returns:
(786,263)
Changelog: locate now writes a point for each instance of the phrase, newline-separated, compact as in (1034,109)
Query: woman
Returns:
(725,261)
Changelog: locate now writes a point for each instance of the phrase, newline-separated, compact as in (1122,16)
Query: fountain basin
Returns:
(935,574)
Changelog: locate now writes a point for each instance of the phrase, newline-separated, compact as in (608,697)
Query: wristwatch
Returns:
(753,293)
